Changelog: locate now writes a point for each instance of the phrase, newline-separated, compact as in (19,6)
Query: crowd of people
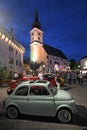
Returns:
(73,78)
(70,77)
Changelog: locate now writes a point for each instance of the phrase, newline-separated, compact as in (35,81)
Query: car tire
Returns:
(12,112)
(64,115)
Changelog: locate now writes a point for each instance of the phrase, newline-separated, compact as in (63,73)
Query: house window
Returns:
(11,60)
(10,49)
(16,52)
(16,62)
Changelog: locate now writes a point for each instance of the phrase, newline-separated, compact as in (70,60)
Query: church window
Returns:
(39,38)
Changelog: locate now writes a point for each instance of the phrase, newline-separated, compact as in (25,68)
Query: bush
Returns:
(4,74)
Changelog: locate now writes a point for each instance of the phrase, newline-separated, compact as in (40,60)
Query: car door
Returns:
(41,102)
(20,99)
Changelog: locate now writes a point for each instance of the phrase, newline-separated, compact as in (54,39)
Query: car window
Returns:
(53,89)
(22,91)
(38,90)
(45,91)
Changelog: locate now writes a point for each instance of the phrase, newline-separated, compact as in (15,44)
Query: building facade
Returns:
(11,51)
(52,58)
(83,64)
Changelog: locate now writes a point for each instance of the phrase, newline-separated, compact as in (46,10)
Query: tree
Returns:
(4,74)
(72,64)
(34,66)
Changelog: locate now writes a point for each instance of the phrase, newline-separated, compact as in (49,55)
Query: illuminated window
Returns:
(86,63)
(11,60)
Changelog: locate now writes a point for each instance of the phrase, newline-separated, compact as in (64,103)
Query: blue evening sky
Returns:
(64,23)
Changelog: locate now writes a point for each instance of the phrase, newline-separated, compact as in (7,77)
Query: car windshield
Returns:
(52,88)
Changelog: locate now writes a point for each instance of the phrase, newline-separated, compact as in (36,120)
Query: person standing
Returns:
(74,77)
(58,81)
(40,75)
(69,77)
(16,75)
(81,78)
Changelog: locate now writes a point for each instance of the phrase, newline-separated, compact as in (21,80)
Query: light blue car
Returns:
(40,98)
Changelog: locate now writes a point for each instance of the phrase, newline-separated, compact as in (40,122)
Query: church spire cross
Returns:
(36,21)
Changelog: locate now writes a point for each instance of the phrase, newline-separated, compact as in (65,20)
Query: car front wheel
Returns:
(64,115)
(12,112)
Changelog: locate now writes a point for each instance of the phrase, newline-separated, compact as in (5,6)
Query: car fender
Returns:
(13,104)
(66,106)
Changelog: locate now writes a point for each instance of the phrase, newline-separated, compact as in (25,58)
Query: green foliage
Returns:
(4,74)
(73,64)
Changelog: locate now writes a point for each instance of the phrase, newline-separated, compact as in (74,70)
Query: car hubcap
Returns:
(12,112)
(64,116)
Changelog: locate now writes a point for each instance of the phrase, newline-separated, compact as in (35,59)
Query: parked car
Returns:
(47,76)
(14,83)
(40,98)
(51,77)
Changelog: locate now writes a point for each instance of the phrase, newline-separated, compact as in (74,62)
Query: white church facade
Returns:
(53,59)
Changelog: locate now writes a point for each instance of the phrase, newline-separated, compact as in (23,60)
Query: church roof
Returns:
(36,21)
(53,51)
(83,57)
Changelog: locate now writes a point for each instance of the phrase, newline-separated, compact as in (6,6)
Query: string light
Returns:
(11,43)
(3,36)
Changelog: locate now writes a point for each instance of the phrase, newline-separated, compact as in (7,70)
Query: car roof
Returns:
(36,83)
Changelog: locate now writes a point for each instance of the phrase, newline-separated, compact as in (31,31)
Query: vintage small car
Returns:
(40,98)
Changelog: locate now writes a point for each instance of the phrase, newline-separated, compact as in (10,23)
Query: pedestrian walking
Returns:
(69,77)
(80,78)
(57,80)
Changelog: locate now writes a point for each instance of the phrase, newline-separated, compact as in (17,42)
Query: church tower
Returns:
(36,41)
